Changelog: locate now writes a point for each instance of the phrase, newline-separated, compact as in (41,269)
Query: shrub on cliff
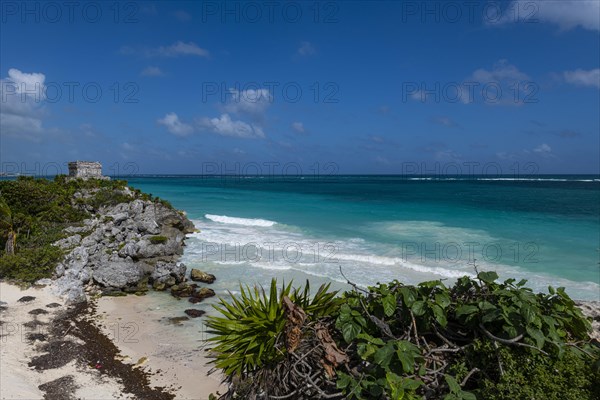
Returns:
(158,239)
(34,213)
(479,339)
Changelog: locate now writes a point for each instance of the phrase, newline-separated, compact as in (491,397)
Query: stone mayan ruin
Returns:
(86,170)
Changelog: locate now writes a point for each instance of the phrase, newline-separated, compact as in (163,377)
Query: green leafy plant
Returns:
(248,334)
(424,332)
(479,339)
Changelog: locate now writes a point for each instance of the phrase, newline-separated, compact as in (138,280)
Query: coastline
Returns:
(56,363)
(159,355)
(19,349)
(173,358)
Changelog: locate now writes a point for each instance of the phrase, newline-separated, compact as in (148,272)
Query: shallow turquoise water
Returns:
(378,228)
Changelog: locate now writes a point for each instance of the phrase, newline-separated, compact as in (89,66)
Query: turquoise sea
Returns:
(378,228)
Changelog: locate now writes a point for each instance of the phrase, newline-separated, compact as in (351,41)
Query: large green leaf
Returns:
(389,304)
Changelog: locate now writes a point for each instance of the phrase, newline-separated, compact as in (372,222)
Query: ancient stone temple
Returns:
(86,170)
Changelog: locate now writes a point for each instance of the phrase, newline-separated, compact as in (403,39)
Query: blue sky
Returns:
(335,87)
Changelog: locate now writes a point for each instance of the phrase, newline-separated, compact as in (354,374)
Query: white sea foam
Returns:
(469,178)
(256,252)
(224,219)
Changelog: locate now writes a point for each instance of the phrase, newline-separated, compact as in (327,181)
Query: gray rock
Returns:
(129,250)
(200,276)
(100,258)
(76,229)
(164,272)
(148,226)
(136,207)
(118,218)
(118,273)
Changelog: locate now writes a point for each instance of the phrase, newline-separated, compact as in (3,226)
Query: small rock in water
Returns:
(204,293)
(182,290)
(194,313)
(178,320)
(200,276)
(26,299)
(53,305)
(194,300)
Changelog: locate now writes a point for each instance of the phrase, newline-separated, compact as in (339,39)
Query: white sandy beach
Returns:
(17,379)
(141,336)
(179,365)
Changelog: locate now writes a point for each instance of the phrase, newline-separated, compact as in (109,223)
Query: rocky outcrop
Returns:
(199,276)
(120,246)
(591,309)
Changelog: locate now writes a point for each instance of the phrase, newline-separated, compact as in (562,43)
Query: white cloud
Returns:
(566,14)
(306,49)
(22,95)
(501,71)
(500,83)
(376,139)
(444,121)
(180,48)
(175,50)
(582,77)
(152,71)
(251,102)
(175,126)
(543,149)
(225,126)
(298,127)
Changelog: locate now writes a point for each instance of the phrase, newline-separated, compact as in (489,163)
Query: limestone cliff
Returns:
(122,248)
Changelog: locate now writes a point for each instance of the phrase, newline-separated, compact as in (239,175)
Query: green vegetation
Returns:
(34,213)
(479,339)
(158,239)
(248,333)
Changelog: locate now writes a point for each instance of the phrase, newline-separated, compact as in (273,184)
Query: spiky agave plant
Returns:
(248,334)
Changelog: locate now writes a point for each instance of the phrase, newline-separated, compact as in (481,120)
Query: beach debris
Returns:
(58,354)
(200,276)
(194,313)
(98,365)
(141,361)
(293,326)
(53,305)
(26,299)
(36,336)
(38,311)
(178,320)
(34,324)
(113,292)
(61,388)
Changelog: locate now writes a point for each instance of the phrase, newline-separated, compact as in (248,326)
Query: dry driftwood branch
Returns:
(471,372)
(355,286)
